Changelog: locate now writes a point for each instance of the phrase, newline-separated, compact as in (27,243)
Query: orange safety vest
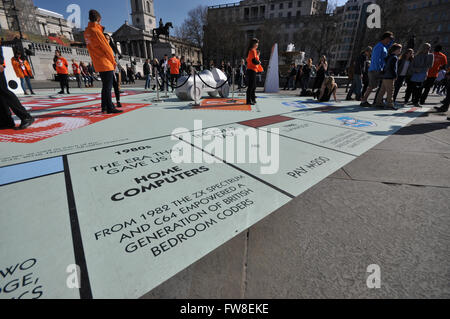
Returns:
(21,67)
(250,65)
(62,66)
(175,65)
(99,49)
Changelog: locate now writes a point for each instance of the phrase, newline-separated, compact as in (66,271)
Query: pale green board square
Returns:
(114,272)
(35,224)
(293,155)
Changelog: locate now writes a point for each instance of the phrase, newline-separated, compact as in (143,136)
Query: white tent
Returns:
(272,84)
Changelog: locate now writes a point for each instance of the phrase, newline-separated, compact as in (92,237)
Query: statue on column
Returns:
(164,29)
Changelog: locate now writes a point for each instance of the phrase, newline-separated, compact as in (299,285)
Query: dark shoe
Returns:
(114,111)
(68,92)
(32,93)
(417,105)
(441,109)
(26,123)
(365,104)
(448,118)
(118,104)
(26,93)
(61,92)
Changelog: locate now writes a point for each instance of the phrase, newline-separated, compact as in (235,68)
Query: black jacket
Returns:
(391,69)
(147,70)
(306,71)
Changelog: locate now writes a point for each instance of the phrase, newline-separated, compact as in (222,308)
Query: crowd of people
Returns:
(383,70)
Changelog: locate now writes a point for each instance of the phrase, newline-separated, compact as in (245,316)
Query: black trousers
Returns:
(8,102)
(416,91)
(446,102)
(116,87)
(251,89)
(174,80)
(107,81)
(64,81)
(427,85)
(398,85)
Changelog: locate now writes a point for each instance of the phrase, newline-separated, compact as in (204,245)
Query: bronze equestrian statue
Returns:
(162,30)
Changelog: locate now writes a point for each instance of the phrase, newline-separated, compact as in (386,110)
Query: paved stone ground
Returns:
(389,207)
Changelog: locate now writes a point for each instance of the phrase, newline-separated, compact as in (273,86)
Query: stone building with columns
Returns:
(137,39)
(23,16)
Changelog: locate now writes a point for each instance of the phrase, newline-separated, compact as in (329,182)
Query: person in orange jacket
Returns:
(102,56)
(62,70)
(8,100)
(174,65)
(76,72)
(23,71)
(253,67)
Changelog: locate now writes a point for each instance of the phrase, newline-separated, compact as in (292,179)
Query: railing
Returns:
(227,5)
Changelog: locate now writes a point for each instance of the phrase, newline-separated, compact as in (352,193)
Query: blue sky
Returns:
(115,12)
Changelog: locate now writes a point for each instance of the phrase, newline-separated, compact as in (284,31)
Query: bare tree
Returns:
(317,35)
(192,29)
(223,41)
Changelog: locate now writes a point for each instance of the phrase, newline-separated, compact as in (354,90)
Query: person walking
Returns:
(365,76)
(102,57)
(164,72)
(403,70)
(358,69)
(423,61)
(147,70)
(184,67)
(174,65)
(440,60)
(62,70)
(9,101)
(252,69)
(130,75)
(91,73)
(390,74)
(446,102)
(379,53)
(155,71)
(23,71)
(76,72)
(440,81)
(322,69)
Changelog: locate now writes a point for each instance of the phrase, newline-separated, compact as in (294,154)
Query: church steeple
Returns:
(143,14)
